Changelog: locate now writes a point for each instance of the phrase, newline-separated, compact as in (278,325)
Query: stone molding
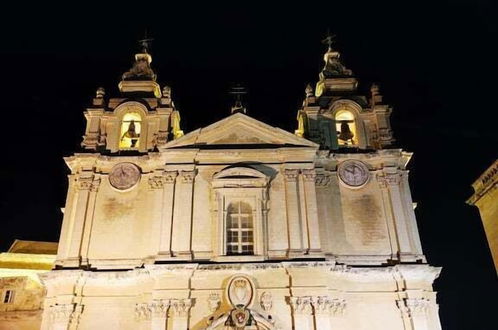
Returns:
(320,305)
(160,308)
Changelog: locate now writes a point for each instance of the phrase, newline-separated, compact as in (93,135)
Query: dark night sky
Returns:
(435,63)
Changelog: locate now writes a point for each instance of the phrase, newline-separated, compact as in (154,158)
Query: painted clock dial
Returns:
(353,173)
(124,176)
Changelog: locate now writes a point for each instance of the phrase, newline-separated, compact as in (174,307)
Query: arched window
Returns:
(346,128)
(240,232)
(131,126)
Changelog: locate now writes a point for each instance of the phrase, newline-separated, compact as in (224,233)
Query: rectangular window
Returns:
(8,297)
(239,231)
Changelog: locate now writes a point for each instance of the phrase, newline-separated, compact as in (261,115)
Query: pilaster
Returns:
(389,182)
(302,312)
(309,195)
(167,214)
(182,219)
(293,216)
(179,311)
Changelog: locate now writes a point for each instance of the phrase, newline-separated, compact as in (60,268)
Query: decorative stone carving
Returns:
(309,174)
(187,176)
(388,179)
(181,307)
(266,301)
(411,307)
(291,174)
(322,304)
(301,305)
(322,180)
(143,312)
(84,182)
(353,173)
(157,182)
(337,307)
(170,176)
(240,291)
(214,302)
(124,176)
(60,313)
(159,308)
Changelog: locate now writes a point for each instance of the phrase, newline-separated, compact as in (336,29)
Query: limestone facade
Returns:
(485,197)
(239,225)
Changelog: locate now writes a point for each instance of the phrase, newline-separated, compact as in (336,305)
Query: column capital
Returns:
(301,305)
(187,176)
(143,311)
(309,174)
(181,307)
(388,179)
(157,182)
(159,308)
(170,176)
(60,313)
(87,182)
(322,180)
(291,174)
(330,306)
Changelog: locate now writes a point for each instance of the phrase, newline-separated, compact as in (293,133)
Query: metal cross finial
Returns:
(329,40)
(145,43)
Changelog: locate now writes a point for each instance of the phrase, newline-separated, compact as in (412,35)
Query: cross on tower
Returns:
(145,43)
(329,40)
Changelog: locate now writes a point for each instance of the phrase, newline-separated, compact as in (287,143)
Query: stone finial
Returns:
(375,97)
(100,93)
(167,92)
(308,91)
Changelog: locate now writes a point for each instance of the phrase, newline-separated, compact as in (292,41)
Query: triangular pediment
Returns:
(240,129)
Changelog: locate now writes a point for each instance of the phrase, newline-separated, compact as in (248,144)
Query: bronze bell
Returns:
(131,134)
(345,134)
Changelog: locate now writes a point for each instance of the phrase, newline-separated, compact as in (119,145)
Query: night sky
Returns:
(435,64)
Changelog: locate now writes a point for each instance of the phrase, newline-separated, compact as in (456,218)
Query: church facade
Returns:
(239,225)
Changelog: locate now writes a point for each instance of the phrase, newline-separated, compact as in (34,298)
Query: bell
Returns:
(131,134)
(345,134)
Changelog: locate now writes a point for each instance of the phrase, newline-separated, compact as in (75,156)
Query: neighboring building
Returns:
(21,291)
(239,225)
(485,197)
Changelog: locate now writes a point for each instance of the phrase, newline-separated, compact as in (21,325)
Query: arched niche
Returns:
(130,131)
(349,127)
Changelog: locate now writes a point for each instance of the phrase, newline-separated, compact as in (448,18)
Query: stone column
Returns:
(179,312)
(167,213)
(182,219)
(293,216)
(159,314)
(302,313)
(417,310)
(309,195)
(143,314)
(390,181)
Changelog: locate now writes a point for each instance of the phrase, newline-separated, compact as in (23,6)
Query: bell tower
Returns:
(141,119)
(336,116)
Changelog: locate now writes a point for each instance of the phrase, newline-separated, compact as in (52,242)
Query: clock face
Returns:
(353,173)
(124,176)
